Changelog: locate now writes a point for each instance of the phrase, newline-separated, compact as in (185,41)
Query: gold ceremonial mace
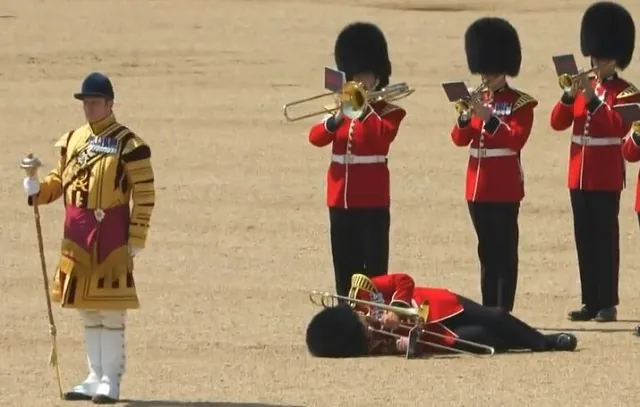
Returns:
(31,164)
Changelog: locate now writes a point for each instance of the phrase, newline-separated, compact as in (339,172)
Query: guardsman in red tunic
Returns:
(339,332)
(596,166)
(495,134)
(358,177)
(631,153)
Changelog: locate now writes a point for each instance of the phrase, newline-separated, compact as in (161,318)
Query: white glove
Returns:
(402,344)
(134,250)
(31,186)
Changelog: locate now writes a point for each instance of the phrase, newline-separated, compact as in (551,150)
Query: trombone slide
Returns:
(490,351)
(421,331)
(328,109)
(429,344)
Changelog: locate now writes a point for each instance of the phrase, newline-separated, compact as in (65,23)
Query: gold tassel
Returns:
(53,358)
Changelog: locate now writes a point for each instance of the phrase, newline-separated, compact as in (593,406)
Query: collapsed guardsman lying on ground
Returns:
(343,331)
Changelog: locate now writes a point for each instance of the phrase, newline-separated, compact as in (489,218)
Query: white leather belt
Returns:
(596,141)
(358,159)
(491,152)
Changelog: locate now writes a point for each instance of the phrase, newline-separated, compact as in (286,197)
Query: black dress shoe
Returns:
(584,314)
(102,399)
(566,342)
(607,315)
(74,396)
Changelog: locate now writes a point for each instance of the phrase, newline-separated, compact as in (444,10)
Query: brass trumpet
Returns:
(463,106)
(418,315)
(353,99)
(567,81)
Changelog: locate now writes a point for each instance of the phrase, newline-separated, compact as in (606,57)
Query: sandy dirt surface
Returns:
(239,235)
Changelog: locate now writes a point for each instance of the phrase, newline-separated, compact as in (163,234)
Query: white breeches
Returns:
(109,319)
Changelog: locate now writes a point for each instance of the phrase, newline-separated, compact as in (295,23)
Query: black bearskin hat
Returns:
(492,46)
(362,47)
(337,333)
(608,32)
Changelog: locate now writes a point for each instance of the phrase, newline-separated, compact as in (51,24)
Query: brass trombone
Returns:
(489,349)
(417,315)
(353,99)
(567,81)
(322,299)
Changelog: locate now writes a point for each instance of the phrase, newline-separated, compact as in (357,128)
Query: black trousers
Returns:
(496,226)
(359,243)
(597,236)
(495,327)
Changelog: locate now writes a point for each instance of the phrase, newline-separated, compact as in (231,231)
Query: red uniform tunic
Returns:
(494,171)
(595,158)
(358,176)
(399,289)
(631,153)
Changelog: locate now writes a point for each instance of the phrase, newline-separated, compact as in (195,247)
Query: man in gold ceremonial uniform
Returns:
(102,167)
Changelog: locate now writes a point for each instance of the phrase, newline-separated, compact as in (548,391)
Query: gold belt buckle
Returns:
(99,214)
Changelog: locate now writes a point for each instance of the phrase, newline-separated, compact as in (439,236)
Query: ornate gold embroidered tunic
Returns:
(103,168)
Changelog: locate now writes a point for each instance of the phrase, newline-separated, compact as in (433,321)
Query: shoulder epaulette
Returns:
(628,92)
(388,108)
(131,143)
(522,100)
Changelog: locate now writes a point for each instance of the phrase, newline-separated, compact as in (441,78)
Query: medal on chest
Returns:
(83,158)
(102,145)
(502,108)
(97,145)
(377,312)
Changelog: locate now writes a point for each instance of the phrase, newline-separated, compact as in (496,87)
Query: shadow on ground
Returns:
(602,327)
(176,403)
(574,329)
